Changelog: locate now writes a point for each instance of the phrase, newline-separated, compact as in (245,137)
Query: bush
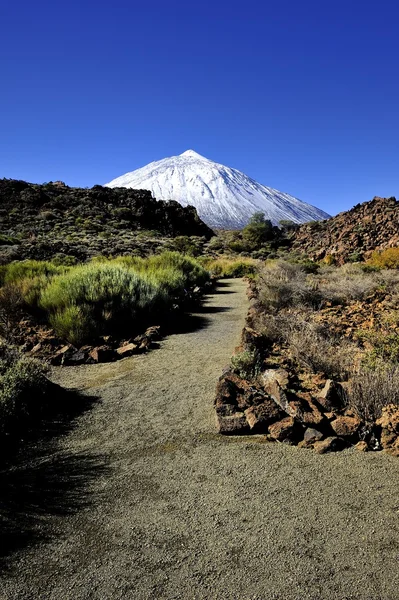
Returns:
(112,294)
(187,245)
(370,390)
(283,284)
(83,301)
(229,267)
(258,231)
(28,269)
(385,259)
(315,349)
(22,389)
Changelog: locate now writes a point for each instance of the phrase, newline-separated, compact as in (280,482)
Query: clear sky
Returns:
(301,95)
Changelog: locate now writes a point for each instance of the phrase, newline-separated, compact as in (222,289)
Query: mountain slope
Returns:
(39,221)
(223,197)
(355,233)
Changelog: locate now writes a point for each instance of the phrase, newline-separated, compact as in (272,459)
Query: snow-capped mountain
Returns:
(224,197)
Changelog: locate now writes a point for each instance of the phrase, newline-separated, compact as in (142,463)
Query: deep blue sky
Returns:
(301,95)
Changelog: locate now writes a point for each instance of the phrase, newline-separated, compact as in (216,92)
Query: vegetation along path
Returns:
(142,499)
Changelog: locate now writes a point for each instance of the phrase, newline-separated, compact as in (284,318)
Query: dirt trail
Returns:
(143,500)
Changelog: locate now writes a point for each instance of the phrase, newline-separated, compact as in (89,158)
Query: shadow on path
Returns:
(43,480)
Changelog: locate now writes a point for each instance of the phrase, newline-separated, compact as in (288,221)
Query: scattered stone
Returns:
(346,426)
(127,350)
(273,381)
(330,416)
(36,348)
(285,430)
(73,358)
(57,359)
(102,354)
(330,444)
(312,435)
(261,416)
(332,396)
(362,446)
(389,423)
(154,332)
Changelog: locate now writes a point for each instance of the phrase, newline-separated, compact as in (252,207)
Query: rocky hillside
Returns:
(353,234)
(40,221)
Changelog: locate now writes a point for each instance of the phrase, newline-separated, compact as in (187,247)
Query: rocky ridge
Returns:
(351,235)
(41,221)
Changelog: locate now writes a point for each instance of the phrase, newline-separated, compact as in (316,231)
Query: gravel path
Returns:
(143,500)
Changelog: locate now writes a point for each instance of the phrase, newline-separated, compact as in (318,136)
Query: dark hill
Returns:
(351,235)
(39,221)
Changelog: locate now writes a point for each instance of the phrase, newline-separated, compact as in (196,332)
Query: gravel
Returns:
(142,499)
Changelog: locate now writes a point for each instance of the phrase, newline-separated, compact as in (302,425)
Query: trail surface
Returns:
(143,500)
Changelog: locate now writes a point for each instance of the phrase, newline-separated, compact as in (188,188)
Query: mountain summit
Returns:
(224,197)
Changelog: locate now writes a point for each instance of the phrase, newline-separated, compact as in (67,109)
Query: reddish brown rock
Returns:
(58,356)
(389,423)
(362,446)
(346,426)
(307,411)
(259,417)
(154,332)
(234,424)
(332,396)
(330,444)
(127,350)
(284,430)
(102,354)
(239,393)
(389,418)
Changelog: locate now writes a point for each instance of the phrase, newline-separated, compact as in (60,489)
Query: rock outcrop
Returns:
(41,221)
(353,234)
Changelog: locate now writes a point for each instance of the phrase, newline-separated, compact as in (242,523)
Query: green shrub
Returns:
(8,240)
(229,267)
(22,387)
(112,294)
(246,364)
(258,231)
(28,269)
(104,294)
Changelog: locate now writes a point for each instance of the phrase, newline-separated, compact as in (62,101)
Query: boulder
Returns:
(57,359)
(307,411)
(78,357)
(389,424)
(143,342)
(127,350)
(362,446)
(332,396)
(330,444)
(312,435)
(237,392)
(154,332)
(389,418)
(234,424)
(285,430)
(346,426)
(260,416)
(273,381)
(102,354)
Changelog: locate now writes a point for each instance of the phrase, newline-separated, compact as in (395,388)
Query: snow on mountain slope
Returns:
(224,197)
